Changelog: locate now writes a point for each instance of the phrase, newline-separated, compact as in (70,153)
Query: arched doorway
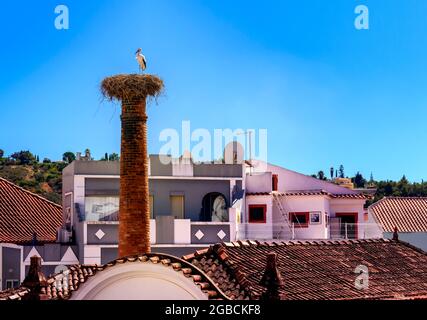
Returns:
(214,208)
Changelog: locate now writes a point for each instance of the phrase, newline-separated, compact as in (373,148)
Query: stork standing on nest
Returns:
(141,60)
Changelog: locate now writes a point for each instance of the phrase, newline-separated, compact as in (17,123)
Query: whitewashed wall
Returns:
(308,204)
(262,231)
(261,182)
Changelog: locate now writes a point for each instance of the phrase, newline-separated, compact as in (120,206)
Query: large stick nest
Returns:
(132,87)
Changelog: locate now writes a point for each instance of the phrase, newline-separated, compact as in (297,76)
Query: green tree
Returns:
(388,188)
(404,188)
(341,173)
(23,157)
(321,176)
(114,157)
(404,181)
(359,181)
(39,177)
(1,153)
(68,157)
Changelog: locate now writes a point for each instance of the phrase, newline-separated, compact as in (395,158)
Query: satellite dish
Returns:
(234,153)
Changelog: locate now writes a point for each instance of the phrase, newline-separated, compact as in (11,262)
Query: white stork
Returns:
(141,60)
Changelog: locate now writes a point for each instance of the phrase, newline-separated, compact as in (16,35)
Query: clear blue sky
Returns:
(327,93)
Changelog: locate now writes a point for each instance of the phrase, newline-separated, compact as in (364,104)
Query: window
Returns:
(177,207)
(299,219)
(68,221)
(102,208)
(257,213)
(315,218)
(151,207)
(68,204)
(12,284)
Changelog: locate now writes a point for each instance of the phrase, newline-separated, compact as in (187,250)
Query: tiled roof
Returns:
(318,270)
(23,213)
(13,294)
(62,286)
(221,273)
(352,196)
(315,193)
(407,214)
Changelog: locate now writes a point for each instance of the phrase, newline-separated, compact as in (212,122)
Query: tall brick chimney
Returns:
(134,212)
(134,228)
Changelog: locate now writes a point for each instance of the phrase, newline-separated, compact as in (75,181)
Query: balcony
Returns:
(280,231)
(348,231)
(106,208)
(166,230)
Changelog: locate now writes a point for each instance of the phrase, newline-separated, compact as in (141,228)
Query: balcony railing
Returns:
(355,231)
(279,231)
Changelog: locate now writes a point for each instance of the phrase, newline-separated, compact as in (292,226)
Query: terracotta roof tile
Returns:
(13,294)
(62,286)
(311,270)
(320,270)
(23,213)
(407,214)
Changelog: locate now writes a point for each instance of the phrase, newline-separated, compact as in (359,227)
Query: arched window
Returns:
(214,208)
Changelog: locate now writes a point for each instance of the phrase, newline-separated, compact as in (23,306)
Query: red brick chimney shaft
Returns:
(134,228)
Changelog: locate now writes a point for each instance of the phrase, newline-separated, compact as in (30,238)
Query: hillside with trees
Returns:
(43,177)
(387,188)
(27,171)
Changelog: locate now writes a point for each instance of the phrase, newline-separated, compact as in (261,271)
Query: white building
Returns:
(258,201)
(283,204)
